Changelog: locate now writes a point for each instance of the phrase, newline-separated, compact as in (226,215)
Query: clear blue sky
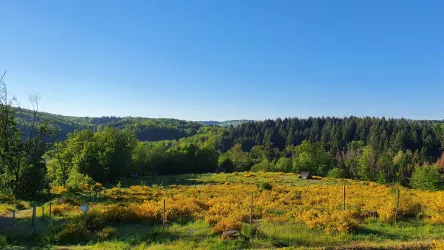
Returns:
(223,59)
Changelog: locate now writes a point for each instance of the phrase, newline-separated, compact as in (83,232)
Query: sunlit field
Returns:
(269,210)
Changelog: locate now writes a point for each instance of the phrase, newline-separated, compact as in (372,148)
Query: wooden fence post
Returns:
(343,197)
(33,218)
(50,209)
(13,218)
(164,219)
(251,210)
(397,205)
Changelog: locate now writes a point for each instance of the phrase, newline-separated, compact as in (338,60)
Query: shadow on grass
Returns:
(368,233)
(161,180)
(24,234)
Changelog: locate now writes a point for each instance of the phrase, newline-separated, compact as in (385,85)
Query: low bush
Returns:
(80,228)
(60,210)
(105,234)
(335,221)
(72,232)
(336,173)
(265,186)
(3,241)
(248,230)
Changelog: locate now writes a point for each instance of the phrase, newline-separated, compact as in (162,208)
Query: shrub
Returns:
(336,173)
(62,209)
(284,164)
(231,222)
(226,163)
(22,205)
(97,187)
(249,175)
(77,180)
(426,178)
(72,232)
(81,229)
(70,200)
(248,230)
(437,245)
(265,186)
(3,241)
(93,220)
(335,221)
(106,233)
(58,190)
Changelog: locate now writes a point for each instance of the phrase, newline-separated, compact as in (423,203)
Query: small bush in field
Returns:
(22,205)
(97,186)
(81,228)
(248,175)
(106,233)
(73,232)
(71,201)
(265,186)
(228,223)
(58,190)
(248,230)
(62,209)
(336,173)
(336,221)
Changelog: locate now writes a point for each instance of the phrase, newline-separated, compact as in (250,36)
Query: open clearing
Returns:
(285,211)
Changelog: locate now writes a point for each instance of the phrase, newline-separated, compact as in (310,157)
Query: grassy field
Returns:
(287,213)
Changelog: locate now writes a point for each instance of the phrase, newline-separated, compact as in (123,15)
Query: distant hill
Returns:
(146,129)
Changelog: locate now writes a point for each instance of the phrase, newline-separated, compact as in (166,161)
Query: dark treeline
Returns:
(334,134)
(378,149)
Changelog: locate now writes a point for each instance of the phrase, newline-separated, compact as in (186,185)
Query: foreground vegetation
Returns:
(287,212)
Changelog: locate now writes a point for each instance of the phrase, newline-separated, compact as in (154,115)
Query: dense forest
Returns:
(373,149)
(38,150)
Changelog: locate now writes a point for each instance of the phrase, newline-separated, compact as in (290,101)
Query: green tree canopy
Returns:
(426,177)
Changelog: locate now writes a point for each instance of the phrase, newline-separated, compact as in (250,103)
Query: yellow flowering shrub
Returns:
(226,206)
(437,245)
(97,186)
(336,221)
(63,208)
(248,175)
(85,187)
(58,190)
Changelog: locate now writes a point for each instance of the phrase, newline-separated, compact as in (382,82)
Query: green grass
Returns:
(294,234)
(205,179)
(197,235)
(402,231)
